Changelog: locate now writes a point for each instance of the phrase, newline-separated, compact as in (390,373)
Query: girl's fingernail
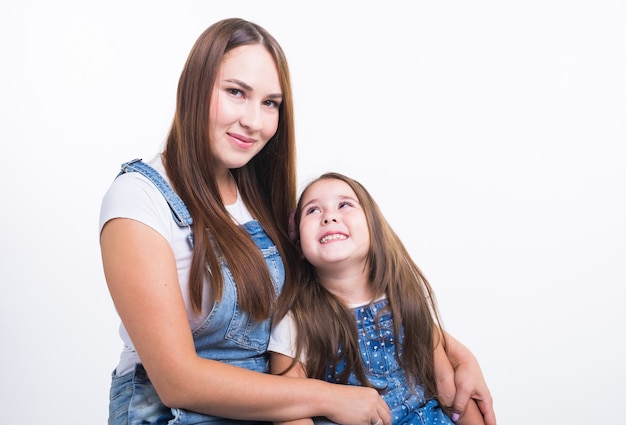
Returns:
(455,417)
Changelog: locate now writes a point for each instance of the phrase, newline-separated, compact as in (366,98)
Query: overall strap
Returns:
(177,206)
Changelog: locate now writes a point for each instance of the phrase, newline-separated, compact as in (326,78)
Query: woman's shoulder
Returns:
(133,195)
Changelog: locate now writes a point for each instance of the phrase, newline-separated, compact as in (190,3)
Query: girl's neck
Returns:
(353,290)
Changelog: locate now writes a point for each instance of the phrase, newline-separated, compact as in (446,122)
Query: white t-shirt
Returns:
(134,196)
(283,337)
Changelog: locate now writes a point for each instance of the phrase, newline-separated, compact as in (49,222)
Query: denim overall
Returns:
(228,334)
(378,352)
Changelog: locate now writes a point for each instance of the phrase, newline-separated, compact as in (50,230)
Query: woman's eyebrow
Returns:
(249,88)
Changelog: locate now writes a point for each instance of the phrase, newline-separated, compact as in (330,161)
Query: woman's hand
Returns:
(357,405)
(343,404)
(469,380)
(444,373)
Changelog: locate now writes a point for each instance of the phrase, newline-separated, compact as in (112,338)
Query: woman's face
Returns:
(244,106)
(334,235)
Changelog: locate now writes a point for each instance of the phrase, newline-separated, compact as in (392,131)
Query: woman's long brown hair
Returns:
(325,324)
(267,183)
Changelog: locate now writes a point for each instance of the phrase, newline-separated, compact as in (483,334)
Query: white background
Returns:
(491,133)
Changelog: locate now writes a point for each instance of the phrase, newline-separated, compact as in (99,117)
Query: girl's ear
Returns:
(293,233)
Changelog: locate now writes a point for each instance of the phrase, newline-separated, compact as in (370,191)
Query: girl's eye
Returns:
(345,204)
(311,210)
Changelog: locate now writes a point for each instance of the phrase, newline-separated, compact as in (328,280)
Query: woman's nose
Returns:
(251,118)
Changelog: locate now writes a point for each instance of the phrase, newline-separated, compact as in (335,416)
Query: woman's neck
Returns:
(228,188)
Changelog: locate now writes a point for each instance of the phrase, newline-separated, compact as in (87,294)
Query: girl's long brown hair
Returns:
(325,325)
(267,183)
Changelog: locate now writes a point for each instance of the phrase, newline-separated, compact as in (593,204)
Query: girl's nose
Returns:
(328,219)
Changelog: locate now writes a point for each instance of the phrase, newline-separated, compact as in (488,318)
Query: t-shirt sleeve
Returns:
(133,196)
(283,337)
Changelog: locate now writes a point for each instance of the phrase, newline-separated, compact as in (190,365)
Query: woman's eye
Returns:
(271,103)
(235,92)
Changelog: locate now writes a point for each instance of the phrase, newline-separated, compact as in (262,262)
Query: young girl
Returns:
(361,312)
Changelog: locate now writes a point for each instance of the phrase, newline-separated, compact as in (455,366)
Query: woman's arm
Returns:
(469,381)
(140,271)
(279,363)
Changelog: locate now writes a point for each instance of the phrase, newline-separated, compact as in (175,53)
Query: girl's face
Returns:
(334,235)
(244,106)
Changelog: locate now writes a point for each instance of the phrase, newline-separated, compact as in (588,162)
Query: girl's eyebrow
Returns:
(341,198)
(312,201)
(349,198)
(249,88)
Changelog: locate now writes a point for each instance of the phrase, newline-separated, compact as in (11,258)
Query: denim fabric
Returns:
(378,351)
(179,209)
(228,335)
(188,418)
(133,400)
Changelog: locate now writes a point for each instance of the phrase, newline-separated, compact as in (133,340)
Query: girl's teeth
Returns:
(332,238)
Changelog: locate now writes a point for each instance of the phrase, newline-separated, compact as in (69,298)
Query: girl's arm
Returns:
(469,381)
(472,415)
(140,271)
